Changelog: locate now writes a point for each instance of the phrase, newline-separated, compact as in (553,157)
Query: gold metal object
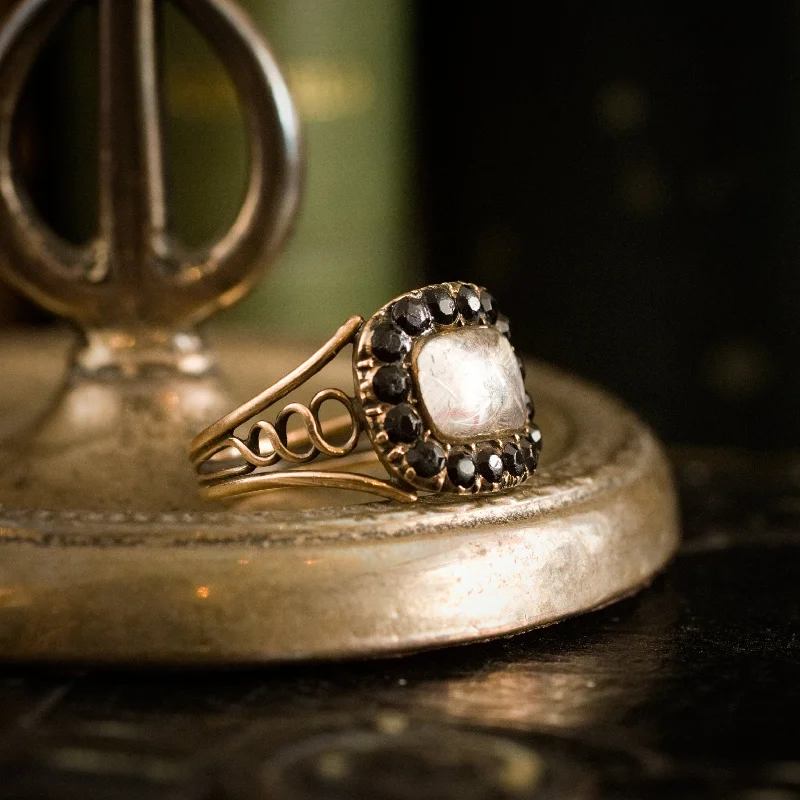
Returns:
(293,575)
(229,481)
(233,475)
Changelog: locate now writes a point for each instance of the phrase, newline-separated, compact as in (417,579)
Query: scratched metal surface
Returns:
(688,690)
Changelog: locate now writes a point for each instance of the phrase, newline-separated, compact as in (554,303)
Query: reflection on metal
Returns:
(107,551)
(135,274)
(142,382)
(293,574)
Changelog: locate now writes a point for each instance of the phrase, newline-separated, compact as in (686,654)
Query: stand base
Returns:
(254,583)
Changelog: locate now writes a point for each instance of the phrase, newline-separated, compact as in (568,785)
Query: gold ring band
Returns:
(438,389)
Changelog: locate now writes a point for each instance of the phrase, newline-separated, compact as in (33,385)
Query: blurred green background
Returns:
(348,65)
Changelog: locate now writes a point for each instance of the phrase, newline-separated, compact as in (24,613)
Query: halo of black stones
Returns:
(417,314)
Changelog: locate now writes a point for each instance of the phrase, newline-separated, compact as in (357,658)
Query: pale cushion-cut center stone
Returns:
(470,384)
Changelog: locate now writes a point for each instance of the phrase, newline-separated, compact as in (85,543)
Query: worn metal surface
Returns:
(135,274)
(108,553)
(142,383)
(687,691)
(315,578)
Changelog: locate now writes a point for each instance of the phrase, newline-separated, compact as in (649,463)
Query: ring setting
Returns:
(438,389)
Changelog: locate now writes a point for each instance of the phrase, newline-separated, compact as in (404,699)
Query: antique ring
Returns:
(439,391)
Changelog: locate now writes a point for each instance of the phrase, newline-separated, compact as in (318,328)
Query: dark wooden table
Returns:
(688,690)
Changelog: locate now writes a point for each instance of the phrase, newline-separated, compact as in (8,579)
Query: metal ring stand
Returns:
(107,551)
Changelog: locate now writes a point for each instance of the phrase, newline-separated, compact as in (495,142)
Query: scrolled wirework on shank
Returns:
(268,443)
(257,452)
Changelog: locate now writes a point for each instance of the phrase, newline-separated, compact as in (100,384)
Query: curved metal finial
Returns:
(135,272)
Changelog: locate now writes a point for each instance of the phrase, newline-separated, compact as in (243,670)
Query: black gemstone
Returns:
(402,424)
(521,365)
(389,343)
(490,464)
(530,455)
(503,326)
(441,304)
(391,384)
(461,468)
(469,304)
(412,315)
(427,459)
(529,405)
(536,436)
(513,460)
(489,306)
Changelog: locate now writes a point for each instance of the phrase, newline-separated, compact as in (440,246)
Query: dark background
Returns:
(624,176)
